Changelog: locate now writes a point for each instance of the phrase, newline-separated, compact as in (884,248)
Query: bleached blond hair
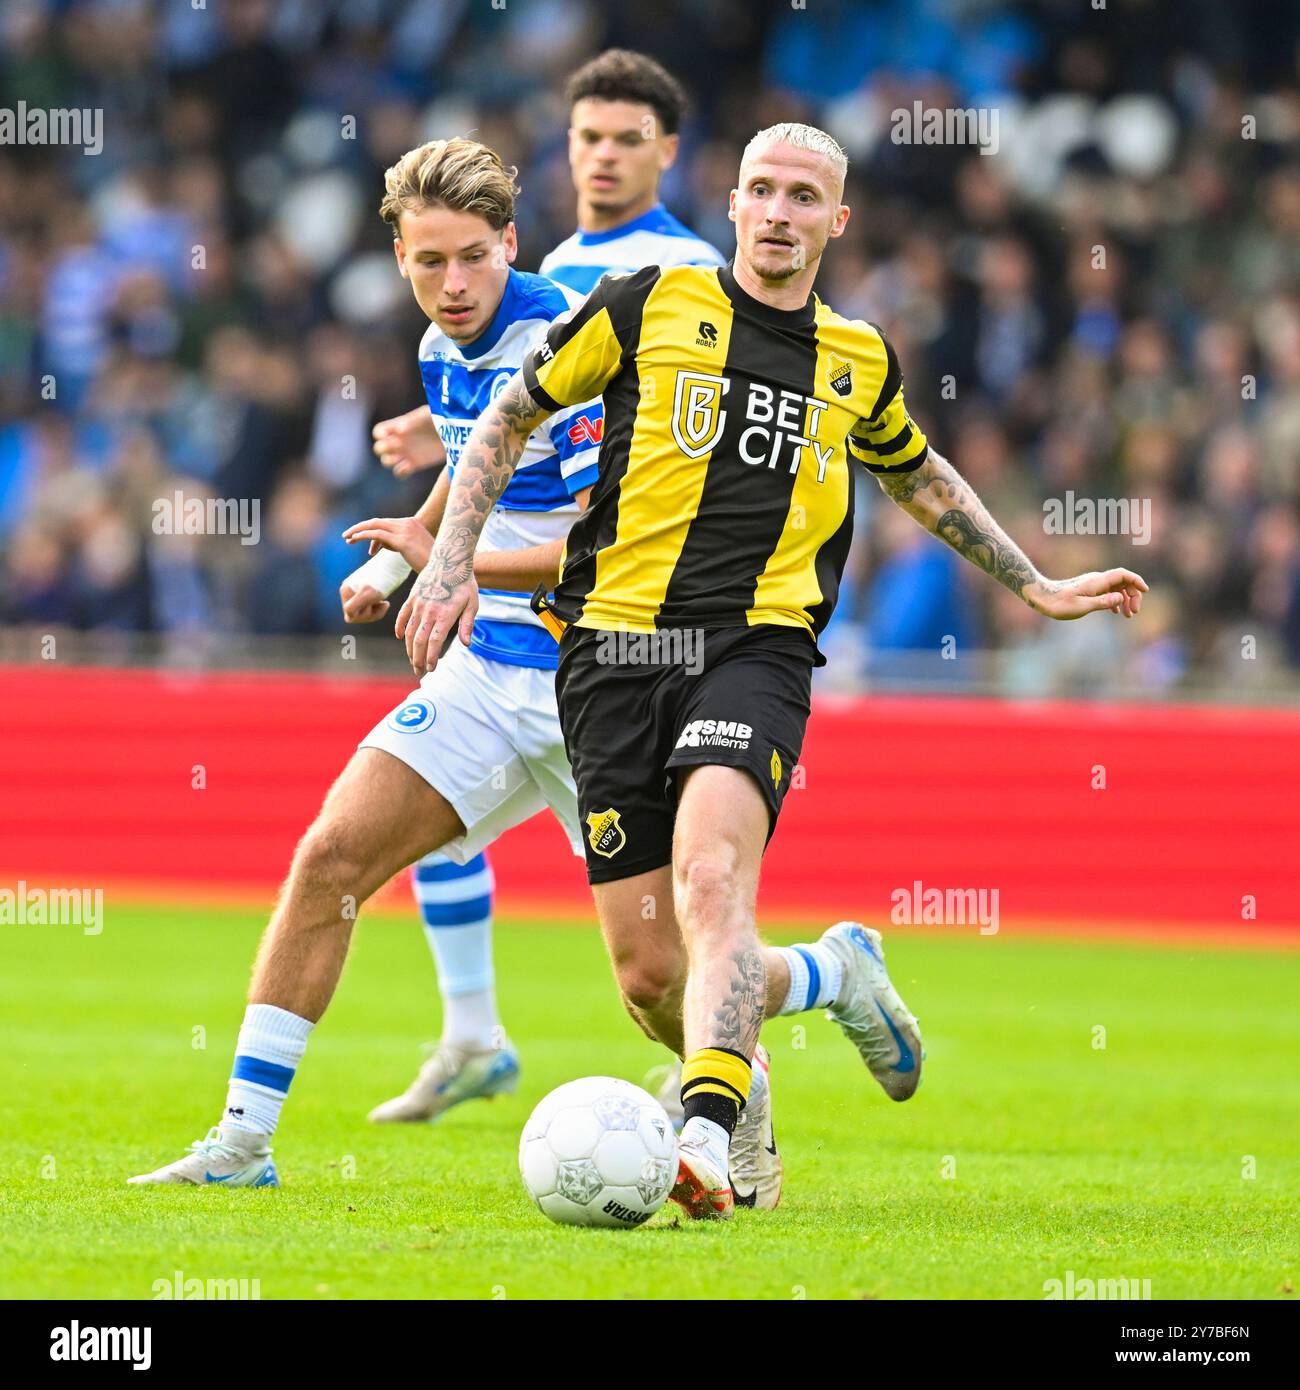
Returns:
(802,137)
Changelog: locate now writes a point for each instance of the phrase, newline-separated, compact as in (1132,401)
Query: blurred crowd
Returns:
(1105,306)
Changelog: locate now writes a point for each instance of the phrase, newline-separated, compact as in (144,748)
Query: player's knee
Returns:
(649,984)
(707,887)
(329,859)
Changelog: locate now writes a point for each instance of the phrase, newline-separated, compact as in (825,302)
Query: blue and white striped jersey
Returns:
(558,460)
(654,238)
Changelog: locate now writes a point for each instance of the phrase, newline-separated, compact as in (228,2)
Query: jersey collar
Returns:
(645,222)
(782,318)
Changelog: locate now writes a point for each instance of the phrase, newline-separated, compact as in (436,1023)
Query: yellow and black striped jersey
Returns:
(725,488)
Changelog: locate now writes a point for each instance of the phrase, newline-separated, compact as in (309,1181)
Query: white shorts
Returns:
(486,735)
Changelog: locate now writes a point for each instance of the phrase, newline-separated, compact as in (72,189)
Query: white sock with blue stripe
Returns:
(271,1044)
(456,904)
(815,977)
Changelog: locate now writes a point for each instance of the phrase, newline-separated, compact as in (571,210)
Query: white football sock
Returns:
(271,1044)
(815,977)
(471,1020)
(715,1141)
(456,905)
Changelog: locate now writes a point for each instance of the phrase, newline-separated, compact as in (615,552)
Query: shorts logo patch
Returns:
(715,733)
(414,717)
(604,833)
(776,768)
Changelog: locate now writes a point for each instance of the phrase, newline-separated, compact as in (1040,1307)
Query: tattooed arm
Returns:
(940,499)
(445,597)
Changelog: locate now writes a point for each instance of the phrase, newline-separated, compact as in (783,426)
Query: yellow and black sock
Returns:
(715,1085)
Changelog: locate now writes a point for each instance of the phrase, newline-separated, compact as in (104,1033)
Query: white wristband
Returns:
(386,572)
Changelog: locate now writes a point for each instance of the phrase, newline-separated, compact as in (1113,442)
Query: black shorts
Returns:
(633,712)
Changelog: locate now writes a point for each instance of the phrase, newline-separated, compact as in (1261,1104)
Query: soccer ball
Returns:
(598,1152)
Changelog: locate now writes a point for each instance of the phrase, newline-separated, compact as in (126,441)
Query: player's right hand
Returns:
(437,609)
(408,443)
(365,605)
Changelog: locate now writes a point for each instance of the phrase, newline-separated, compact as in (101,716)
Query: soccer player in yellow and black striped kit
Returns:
(694,587)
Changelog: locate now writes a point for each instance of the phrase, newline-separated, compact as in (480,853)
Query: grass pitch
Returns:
(1031,1150)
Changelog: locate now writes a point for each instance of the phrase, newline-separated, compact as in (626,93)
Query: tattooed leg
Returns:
(738,1015)
(718,844)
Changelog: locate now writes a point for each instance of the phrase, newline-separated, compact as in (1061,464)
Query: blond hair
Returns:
(802,137)
(461,175)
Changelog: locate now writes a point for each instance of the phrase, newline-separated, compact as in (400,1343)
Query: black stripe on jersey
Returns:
(898,467)
(893,376)
(597,527)
(542,398)
(743,506)
(900,441)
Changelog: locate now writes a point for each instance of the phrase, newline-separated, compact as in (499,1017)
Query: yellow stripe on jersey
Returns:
(590,358)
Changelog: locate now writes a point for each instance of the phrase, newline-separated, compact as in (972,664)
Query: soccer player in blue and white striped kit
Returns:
(625,114)
(477,747)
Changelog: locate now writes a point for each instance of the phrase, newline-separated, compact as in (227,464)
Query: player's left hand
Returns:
(363,605)
(439,607)
(1102,591)
(404,534)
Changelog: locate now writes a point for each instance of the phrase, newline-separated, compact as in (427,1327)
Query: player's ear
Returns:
(841,221)
(510,242)
(668,148)
(399,250)
(731,205)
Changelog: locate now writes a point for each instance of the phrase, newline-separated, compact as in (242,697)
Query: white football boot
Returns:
(868,1008)
(230,1157)
(701,1190)
(755,1163)
(453,1074)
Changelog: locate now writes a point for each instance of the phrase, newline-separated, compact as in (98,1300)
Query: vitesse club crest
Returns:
(840,376)
(604,833)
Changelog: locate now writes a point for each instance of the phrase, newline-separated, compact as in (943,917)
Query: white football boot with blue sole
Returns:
(451,1075)
(227,1157)
(868,1008)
